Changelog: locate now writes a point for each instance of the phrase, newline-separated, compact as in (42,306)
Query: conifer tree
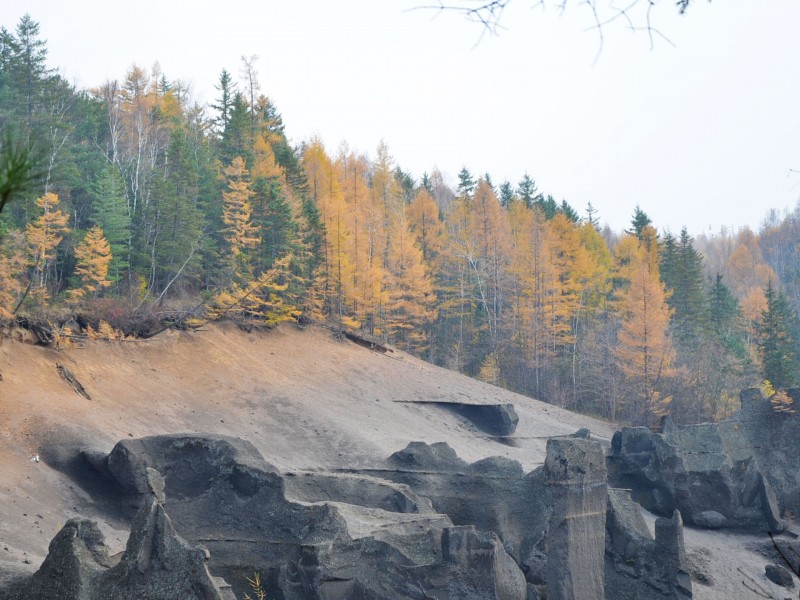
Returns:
(466,184)
(43,236)
(111,215)
(776,341)
(546,205)
(682,274)
(93,256)
(506,194)
(639,221)
(226,88)
(13,263)
(409,290)
(527,191)
(241,235)
(423,219)
(644,349)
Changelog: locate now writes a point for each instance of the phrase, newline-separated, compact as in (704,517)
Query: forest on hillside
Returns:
(150,207)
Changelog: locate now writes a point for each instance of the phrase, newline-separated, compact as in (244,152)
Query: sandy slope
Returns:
(305,399)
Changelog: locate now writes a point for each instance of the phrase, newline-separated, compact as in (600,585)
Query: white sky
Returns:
(701,134)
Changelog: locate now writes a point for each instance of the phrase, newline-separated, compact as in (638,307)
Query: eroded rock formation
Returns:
(157,563)
(424,525)
(714,472)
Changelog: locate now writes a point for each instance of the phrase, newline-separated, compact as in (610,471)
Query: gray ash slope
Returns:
(347,496)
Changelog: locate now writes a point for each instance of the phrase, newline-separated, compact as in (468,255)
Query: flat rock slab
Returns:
(495,419)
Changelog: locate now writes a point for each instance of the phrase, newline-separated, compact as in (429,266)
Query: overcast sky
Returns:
(700,131)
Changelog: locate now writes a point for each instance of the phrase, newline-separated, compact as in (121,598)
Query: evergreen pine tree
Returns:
(425,183)
(111,214)
(591,216)
(682,274)
(466,184)
(639,221)
(547,205)
(528,192)
(506,194)
(227,89)
(569,212)
(776,342)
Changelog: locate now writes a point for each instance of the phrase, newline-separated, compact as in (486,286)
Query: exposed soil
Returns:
(305,399)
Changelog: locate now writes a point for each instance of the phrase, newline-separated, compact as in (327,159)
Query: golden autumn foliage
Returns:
(409,289)
(255,301)
(240,233)
(43,236)
(13,260)
(424,222)
(93,256)
(644,351)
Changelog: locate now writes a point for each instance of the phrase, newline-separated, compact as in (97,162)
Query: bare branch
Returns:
(637,14)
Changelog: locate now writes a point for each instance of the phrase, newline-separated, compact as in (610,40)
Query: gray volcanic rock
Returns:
(494,419)
(710,519)
(706,471)
(157,564)
(221,493)
(493,494)
(76,559)
(362,490)
(671,555)
(576,474)
(779,575)
(636,565)
(775,443)
(419,456)
(491,573)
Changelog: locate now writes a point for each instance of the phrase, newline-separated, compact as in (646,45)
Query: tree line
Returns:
(148,203)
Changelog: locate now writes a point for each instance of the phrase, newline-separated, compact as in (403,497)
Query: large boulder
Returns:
(705,471)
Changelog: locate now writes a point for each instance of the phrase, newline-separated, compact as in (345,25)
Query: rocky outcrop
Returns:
(775,443)
(490,571)
(362,490)
(423,525)
(638,566)
(779,575)
(498,420)
(706,471)
(157,564)
(576,474)
(495,419)
(493,494)
(222,494)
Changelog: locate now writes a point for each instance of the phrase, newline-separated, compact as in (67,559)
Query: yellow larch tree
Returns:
(427,227)
(534,287)
(409,290)
(43,236)
(241,235)
(351,172)
(93,256)
(326,191)
(490,266)
(13,263)
(644,351)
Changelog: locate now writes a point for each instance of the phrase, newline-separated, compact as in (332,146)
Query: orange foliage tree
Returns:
(93,256)
(644,351)
(43,236)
